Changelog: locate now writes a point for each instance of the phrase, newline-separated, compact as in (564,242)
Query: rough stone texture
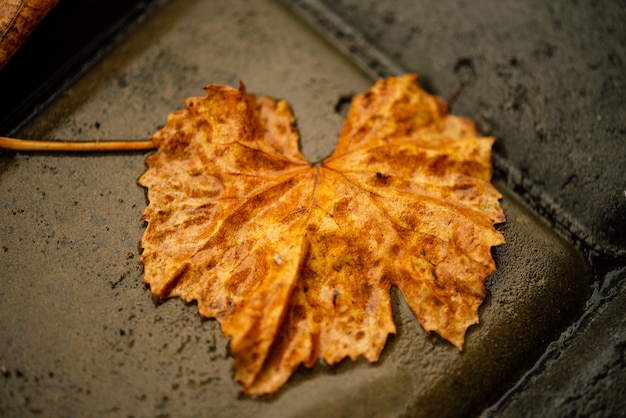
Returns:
(80,333)
(548,79)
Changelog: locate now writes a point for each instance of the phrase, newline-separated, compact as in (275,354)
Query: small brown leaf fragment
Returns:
(296,260)
(18,18)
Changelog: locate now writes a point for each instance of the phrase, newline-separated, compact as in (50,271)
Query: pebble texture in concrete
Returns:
(80,333)
(548,79)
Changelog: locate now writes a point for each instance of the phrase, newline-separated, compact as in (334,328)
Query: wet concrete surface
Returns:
(81,335)
(585,375)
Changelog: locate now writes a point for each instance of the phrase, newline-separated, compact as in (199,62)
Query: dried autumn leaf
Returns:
(296,260)
(18,18)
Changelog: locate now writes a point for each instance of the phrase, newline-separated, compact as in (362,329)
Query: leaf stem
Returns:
(35,145)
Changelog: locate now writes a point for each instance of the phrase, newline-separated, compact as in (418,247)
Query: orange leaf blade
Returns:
(296,261)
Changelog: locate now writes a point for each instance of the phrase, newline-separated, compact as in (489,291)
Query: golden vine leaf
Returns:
(296,260)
